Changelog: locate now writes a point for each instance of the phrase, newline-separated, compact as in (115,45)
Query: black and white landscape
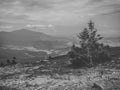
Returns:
(26,45)
(59,44)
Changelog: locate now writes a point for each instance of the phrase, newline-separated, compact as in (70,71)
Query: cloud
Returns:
(111,12)
(110,9)
(52,27)
(47,14)
(27,4)
(105,7)
(56,10)
(6,27)
(91,2)
(35,26)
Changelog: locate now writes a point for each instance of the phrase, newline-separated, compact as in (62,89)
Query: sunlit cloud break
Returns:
(6,27)
(49,27)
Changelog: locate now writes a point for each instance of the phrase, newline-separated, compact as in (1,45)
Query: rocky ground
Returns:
(38,77)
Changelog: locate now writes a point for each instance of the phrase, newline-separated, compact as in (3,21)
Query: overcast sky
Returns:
(60,17)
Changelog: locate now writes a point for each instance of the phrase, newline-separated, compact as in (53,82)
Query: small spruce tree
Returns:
(89,41)
(91,49)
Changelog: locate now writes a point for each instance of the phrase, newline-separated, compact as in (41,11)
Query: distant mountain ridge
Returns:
(25,34)
(112,41)
(27,37)
(38,39)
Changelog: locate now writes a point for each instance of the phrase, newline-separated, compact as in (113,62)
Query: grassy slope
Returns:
(55,76)
(21,55)
(45,77)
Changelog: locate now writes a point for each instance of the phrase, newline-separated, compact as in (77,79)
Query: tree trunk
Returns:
(90,57)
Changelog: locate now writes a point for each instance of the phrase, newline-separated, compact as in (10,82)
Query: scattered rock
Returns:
(96,87)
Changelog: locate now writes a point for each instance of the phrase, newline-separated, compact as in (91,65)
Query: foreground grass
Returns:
(40,77)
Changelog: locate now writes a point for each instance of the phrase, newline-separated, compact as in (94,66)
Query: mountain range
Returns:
(24,37)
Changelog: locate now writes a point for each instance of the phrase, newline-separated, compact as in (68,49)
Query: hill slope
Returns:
(26,37)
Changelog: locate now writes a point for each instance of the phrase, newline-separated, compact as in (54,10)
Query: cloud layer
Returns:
(63,14)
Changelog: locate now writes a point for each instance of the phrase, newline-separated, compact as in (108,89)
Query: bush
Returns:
(14,62)
(8,62)
(1,64)
(79,62)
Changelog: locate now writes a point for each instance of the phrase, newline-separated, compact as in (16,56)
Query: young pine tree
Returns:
(89,42)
